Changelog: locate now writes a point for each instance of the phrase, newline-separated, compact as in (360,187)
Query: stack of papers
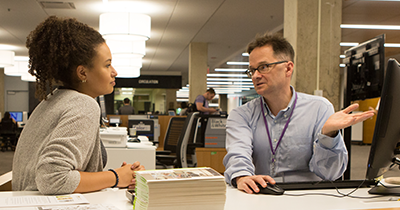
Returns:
(183,188)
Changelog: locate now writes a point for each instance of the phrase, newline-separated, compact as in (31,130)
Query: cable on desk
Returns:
(379,181)
(341,195)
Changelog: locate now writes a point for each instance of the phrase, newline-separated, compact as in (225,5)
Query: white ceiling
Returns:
(226,25)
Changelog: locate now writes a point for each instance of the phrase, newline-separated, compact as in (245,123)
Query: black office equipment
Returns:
(8,134)
(387,129)
(143,127)
(363,78)
(384,143)
(308,185)
(270,189)
(168,157)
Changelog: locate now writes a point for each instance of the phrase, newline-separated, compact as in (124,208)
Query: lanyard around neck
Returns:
(284,129)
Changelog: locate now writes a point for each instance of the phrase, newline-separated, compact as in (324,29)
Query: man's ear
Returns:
(81,73)
(289,68)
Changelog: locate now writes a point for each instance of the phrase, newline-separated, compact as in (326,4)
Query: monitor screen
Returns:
(17,116)
(365,65)
(178,111)
(114,120)
(171,113)
(387,127)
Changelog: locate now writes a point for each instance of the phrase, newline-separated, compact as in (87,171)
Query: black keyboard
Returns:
(325,184)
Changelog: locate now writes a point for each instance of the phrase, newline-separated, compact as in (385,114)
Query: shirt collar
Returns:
(288,108)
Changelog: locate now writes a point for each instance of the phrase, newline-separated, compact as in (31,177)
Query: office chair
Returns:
(8,134)
(186,144)
(167,157)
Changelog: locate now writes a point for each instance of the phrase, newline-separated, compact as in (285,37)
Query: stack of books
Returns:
(183,188)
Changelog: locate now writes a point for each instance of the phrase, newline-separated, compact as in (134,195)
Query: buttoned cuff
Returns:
(327,141)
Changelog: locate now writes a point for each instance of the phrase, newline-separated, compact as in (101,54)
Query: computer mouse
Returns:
(271,189)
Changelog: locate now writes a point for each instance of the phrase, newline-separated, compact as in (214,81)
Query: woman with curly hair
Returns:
(59,150)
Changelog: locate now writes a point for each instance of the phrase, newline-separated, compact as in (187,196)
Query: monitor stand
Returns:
(381,190)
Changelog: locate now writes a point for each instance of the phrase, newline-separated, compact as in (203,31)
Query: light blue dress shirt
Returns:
(304,154)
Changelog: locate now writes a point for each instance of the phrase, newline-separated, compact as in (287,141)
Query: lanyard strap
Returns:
(284,129)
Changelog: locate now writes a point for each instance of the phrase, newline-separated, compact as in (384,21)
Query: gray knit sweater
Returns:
(60,138)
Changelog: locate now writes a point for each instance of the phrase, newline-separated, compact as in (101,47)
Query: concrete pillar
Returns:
(170,99)
(223,101)
(313,28)
(197,70)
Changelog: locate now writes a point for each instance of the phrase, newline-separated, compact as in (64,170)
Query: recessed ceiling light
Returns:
(361,26)
(237,63)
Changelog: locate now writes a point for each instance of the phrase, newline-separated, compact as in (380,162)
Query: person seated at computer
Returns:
(126,108)
(184,108)
(8,127)
(284,135)
(8,119)
(60,150)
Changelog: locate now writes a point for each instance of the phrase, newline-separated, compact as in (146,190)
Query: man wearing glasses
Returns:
(284,135)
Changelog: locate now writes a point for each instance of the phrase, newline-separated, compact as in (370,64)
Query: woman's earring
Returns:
(83,81)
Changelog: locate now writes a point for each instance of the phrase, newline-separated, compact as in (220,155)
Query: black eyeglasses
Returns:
(263,68)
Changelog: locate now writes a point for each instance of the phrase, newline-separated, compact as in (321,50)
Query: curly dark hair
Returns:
(56,48)
(280,45)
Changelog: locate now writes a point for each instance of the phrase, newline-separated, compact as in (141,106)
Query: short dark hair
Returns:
(57,47)
(211,90)
(126,100)
(279,44)
(184,104)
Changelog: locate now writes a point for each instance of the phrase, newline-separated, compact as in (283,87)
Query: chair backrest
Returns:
(187,133)
(7,126)
(174,130)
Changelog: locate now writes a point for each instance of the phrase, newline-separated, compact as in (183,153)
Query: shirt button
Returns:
(275,121)
(274,140)
(285,116)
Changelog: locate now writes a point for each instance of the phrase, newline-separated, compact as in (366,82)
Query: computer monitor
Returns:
(113,120)
(387,129)
(365,65)
(171,113)
(17,116)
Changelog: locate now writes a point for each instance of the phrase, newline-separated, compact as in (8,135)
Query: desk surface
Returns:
(237,200)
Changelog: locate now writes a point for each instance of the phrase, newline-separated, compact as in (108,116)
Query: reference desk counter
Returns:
(238,200)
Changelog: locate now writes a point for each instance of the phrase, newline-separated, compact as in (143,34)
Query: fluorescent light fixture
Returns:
(8,47)
(392,45)
(230,70)
(19,68)
(219,83)
(352,44)
(242,83)
(127,47)
(182,100)
(6,58)
(226,75)
(348,44)
(342,65)
(361,26)
(128,71)
(125,26)
(245,54)
(342,56)
(21,58)
(231,86)
(237,63)
(228,79)
(127,89)
(28,77)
